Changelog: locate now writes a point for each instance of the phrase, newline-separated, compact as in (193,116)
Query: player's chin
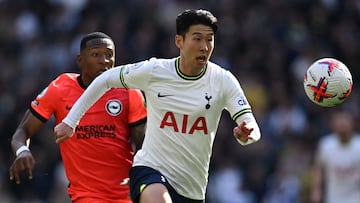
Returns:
(201,62)
(101,72)
(104,69)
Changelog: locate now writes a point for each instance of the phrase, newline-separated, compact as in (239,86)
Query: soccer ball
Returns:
(328,82)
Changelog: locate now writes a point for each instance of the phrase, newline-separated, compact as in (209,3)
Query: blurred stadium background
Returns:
(267,44)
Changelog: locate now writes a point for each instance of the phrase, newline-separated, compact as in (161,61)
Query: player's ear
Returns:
(79,60)
(178,41)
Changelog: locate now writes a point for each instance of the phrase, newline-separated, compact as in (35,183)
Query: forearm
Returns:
(255,134)
(96,89)
(19,139)
(28,126)
(316,184)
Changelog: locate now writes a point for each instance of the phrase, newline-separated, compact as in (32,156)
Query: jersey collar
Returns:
(81,82)
(186,77)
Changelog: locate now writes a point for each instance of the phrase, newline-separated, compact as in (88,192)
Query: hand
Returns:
(242,132)
(24,162)
(315,196)
(62,132)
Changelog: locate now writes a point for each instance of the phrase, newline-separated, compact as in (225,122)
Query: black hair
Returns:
(194,17)
(90,36)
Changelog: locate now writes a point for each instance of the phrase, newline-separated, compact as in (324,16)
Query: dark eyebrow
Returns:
(198,33)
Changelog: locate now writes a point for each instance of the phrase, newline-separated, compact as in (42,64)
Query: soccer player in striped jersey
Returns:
(98,157)
(185,98)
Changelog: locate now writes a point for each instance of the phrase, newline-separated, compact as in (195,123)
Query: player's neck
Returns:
(345,140)
(84,83)
(189,70)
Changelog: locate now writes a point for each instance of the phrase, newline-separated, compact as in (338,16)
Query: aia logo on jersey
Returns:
(114,107)
(183,125)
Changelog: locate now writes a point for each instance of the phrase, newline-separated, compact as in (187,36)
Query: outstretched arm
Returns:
(105,81)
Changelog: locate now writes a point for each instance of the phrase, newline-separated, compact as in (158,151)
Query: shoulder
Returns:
(64,82)
(150,63)
(60,86)
(162,62)
(220,74)
(157,66)
(328,140)
(217,69)
(65,78)
(356,138)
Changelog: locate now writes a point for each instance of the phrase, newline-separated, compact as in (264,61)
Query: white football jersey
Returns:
(183,116)
(342,169)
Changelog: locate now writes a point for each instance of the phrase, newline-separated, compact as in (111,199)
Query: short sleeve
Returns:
(45,103)
(235,100)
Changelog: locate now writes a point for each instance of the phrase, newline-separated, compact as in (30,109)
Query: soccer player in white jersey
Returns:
(336,171)
(185,98)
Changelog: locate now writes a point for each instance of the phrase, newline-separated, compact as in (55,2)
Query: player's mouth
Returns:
(103,70)
(201,60)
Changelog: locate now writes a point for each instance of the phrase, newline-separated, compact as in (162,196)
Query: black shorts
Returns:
(141,176)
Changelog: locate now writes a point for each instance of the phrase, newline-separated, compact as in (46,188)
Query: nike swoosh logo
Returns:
(164,95)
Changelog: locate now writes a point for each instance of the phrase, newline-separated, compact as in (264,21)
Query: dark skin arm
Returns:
(317,173)
(137,134)
(28,126)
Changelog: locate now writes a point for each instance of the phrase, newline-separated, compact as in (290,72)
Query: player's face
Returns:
(195,48)
(342,124)
(97,57)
